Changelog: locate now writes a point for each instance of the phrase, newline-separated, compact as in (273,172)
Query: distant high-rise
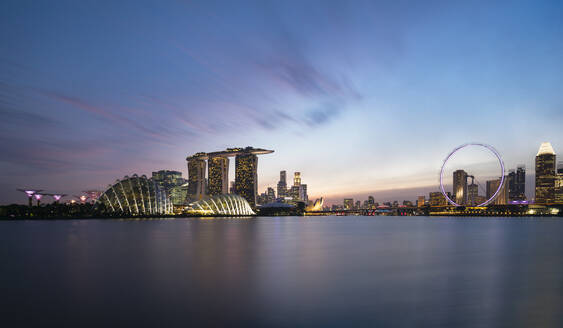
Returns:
(348,203)
(420,201)
(460,187)
(303,193)
(559,184)
(196,175)
(516,182)
(218,175)
(472,194)
(371,201)
(437,199)
(271,194)
(559,188)
(282,185)
(520,185)
(502,196)
(545,174)
(297,178)
(167,178)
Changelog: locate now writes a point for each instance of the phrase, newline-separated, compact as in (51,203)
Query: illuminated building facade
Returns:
(221,205)
(472,194)
(246,177)
(218,175)
(168,179)
(437,199)
(516,181)
(460,187)
(348,203)
(282,185)
(420,201)
(135,196)
(545,175)
(271,194)
(559,188)
(196,175)
(502,196)
(297,178)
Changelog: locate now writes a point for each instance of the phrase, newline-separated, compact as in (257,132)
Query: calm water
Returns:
(325,272)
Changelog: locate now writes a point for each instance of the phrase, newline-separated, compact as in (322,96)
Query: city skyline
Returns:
(374,116)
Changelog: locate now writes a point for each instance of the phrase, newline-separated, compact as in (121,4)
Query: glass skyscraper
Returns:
(545,174)
(460,187)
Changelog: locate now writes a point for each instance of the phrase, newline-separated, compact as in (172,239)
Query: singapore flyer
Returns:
(463,193)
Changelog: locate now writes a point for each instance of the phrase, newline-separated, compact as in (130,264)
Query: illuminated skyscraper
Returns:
(218,175)
(246,177)
(460,187)
(297,179)
(282,185)
(559,184)
(472,194)
(348,203)
(196,175)
(545,174)
(420,201)
(371,201)
(502,196)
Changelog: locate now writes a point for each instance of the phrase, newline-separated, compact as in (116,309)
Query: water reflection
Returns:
(331,271)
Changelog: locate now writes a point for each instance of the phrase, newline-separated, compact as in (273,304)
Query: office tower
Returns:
(303,193)
(282,185)
(196,175)
(520,185)
(516,181)
(218,175)
(545,174)
(246,177)
(294,193)
(472,194)
(168,179)
(371,201)
(437,199)
(559,188)
(420,201)
(460,187)
(297,178)
(348,203)
(511,183)
(358,205)
(502,196)
(559,184)
(271,194)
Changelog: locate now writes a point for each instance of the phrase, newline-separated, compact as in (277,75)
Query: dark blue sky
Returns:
(359,96)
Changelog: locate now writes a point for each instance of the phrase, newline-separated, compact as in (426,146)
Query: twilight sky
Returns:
(361,97)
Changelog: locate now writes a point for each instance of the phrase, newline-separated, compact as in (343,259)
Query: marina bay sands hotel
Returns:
(246,173)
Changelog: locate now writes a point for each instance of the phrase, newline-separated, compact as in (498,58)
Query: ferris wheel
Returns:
(491,149)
